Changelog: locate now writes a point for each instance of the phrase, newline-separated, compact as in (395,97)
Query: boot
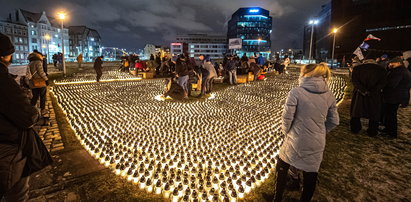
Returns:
(281,182)
(310,181)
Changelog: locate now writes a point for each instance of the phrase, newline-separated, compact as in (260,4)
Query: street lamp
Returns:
(47,37)
(312,23)
(62,16)
(335,30)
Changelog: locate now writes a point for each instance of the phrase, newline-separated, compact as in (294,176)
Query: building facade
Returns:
(195,45)
(19,36)
(86,41)
(44,32)
(254,26)
(355,19)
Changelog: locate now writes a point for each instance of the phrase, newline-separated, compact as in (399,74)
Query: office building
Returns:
(195,45)
(254,26)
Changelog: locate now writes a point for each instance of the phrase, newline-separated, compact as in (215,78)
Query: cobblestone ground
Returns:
(50,133)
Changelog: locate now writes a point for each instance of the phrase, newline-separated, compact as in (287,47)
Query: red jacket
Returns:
(140,65)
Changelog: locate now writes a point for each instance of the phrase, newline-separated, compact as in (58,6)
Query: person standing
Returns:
(368,80)
(395,93)
(35,71)
(231,68)
(80,60)
(310,112)
(98,67)
(182,73)
(158,63)
(17,116)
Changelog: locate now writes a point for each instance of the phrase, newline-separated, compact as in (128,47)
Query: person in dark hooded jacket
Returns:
(395,93)
(98,66)
(368,80)
(16,115)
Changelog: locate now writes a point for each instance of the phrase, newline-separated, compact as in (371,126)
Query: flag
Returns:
(364,45)
(371,37)
(358,53)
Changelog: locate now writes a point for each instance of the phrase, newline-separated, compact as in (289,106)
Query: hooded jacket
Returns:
(36,66)
(310,112)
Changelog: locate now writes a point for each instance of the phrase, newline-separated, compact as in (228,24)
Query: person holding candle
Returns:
(310,112)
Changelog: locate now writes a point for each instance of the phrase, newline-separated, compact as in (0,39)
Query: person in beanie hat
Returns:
(396,92)
(17,117)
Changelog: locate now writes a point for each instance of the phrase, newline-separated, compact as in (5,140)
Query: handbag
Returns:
(37,82)
(36,152)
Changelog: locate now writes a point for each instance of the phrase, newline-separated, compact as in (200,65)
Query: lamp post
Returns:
(312,23)
(62,16)
(335,30)
(47,37)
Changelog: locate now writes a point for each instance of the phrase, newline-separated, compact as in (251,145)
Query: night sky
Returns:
(133,23)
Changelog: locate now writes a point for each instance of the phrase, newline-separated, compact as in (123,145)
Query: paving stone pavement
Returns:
(49,132)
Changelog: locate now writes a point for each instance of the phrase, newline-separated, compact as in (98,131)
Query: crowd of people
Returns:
(381,86)
(186,70)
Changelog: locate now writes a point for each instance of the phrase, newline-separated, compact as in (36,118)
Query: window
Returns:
(20,40)
(33,40)
(16,39)
(17,56)
(33,32)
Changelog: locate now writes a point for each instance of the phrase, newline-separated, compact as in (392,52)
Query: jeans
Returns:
(309,182)
(355,126)
(19,192)
(207,85)
(232,76)
(39,92)
(183,81)
(390,118)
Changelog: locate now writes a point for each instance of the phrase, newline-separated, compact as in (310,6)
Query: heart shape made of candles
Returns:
(217,149)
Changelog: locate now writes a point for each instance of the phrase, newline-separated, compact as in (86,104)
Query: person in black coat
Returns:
(395,93)
(16,115)
(98,66)
(368,80)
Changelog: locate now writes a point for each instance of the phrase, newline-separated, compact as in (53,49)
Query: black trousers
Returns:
(309,182)
(39,93)
(355,126)
(99,74)
(390,118)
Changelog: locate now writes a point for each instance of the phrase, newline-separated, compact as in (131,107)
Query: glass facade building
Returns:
(254,27)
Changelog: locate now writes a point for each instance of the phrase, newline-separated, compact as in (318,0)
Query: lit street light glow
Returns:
(61,16)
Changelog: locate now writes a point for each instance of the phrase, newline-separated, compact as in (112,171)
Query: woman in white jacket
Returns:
(310,112)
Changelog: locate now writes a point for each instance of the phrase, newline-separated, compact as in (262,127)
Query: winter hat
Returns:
(385,56)
(397,59)
(6,47)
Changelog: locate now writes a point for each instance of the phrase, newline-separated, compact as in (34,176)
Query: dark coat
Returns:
(231,65)
(398,86)
(182,68)
(368,81)
(176,91)
(98,64)
(16,115)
